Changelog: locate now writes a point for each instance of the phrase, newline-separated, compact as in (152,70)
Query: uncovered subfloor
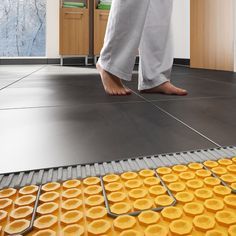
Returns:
(194,199)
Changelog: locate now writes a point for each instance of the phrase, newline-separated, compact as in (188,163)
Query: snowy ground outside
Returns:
(22,28)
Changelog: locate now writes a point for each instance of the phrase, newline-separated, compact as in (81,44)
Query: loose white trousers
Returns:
(143,25)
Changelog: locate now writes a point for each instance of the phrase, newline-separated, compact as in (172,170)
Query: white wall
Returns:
(181,27)
(52,29)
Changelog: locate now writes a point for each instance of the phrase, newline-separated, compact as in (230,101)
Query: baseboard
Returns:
(67,61)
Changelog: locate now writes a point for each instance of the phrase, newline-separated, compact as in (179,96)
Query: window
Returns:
(22,28)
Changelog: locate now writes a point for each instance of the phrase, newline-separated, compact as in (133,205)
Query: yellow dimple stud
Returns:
(44,222)
(177,187)
(233,186)
(187,175)
(129,175)
(194,184)
(74,229)
(7,193)
(91,181)
(131,232)
(151,181)
(181,227)
(99,227)
(111,178)
(21,212)
(195,166)
(28,190)
(114,187)
(92,190)
(138,193)
(156,230)
(49,197)
(170,178)
(73,183)
(96,213)
(116,197)
(157,190)
(45,232)
(219,170)
(49,187)
(211,181)
(225,162)
(47,208)
(134,183)
(216,233)
(3,215)
(234,159)
(71,204)
(164,170)
(71,217)
(232,168)
(164,200)
(171,213)
(5,203)
(72,193)
(221,191)
(16,227)
(179,168)
(211,164)
(204,223)
(203,173)
(149,217)
(225,218)
(229,178)
(214,205)
(230,201)
(146,173)
(143,204)
(95,200)
(232,230)
(203,193)
(184,197)
(120,208)
(124,222)
(25,200)
(193,208)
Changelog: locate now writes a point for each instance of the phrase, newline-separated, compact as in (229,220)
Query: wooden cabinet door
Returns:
(100,24)
(212,34)
(74,31)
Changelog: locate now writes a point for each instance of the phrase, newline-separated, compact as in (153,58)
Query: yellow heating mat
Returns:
(195,199)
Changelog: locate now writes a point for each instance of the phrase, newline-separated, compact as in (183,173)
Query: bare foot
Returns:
(111,83)
(167,88)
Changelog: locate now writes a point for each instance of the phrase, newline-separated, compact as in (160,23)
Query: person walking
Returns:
(143,25)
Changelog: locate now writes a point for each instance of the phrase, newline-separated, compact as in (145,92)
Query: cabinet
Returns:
(213,34)
(100,24)
(74,29)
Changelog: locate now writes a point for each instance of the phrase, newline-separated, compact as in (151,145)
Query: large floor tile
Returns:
(197,86)
(70,89)
(216,118)
(47,137)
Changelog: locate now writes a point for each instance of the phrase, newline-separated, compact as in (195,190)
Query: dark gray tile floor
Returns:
(53,116)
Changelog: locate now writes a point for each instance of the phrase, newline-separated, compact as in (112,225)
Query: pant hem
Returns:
(153,83)
(111,69)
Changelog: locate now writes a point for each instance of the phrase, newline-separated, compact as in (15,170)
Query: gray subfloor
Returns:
(53,116)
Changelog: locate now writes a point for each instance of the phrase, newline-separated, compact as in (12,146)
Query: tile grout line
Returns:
(23,77)
(177,119)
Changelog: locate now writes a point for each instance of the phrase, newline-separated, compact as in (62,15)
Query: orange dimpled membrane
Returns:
(196,199)
(132,193)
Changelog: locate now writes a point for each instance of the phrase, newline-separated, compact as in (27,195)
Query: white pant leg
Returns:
(123,35)
(156,50)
